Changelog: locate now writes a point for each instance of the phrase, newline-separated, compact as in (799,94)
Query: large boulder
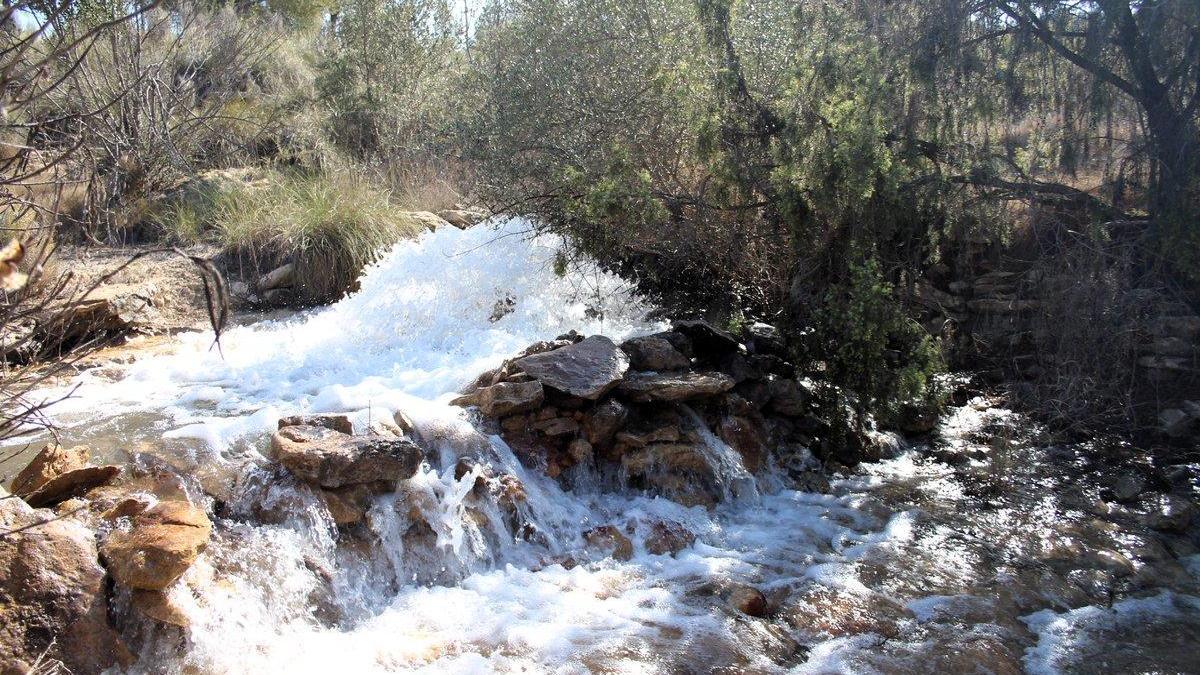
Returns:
(587,369)
(675,386)
(163,543)
(331,459)
(53,604)
(708,341)
(655,353)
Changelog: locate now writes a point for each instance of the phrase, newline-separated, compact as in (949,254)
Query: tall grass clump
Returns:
(330,225)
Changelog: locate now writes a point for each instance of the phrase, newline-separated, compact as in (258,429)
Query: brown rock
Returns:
(51,461)
(675,386)
(331,459)
(611,540)
(335,422)
(668,538)
(507,398)
(158,606)
(587,369)
(604,421)
(654,353)
(747,438)
(747,599)
(71,484)
(558,426)
(580,451)
(164,542)
(53,599)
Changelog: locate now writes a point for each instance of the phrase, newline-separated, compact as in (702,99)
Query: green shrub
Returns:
(870,346)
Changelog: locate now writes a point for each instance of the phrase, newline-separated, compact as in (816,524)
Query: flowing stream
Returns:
(986,552)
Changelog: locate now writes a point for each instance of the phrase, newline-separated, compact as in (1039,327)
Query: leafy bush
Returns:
(870,346)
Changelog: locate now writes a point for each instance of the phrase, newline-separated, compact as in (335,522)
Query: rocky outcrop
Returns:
(161,545)
(338,423)
(652,411)
(53,603)
(331,459)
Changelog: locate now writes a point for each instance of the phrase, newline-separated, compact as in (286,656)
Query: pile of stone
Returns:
(642,409)
(71,535)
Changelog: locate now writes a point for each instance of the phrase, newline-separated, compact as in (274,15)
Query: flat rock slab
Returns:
(675,386)
(587,369)
(72,484)
(505,398)
(331,459)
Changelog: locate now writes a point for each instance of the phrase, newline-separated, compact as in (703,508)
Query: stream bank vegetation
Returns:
(1009,187)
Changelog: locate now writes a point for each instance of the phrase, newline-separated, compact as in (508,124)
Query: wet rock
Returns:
(654,353)
(647,435)
(50,462)
(747,438)
(164,542)
(788,398)
(349,505)
(506,398)
(158,606)
(71,484)
(766,339)
(340,423)
(1176,422)
(667,538)
(675,386)
(609,539)
(330,459)
(1172,513)
(53,601)
(558,426)
(746,599)
(1127,487)
(587,369)
(708,341)
(604,422)
(580,451)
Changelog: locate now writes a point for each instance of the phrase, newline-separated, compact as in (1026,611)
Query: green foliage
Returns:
(869,345)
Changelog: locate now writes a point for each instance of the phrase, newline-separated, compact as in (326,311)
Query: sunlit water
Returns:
(995,564)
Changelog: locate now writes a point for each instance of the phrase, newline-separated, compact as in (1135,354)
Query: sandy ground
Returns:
(170,280)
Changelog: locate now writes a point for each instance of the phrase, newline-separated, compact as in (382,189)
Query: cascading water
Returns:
(452,579)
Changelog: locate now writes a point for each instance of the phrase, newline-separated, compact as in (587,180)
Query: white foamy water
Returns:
(441,579)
